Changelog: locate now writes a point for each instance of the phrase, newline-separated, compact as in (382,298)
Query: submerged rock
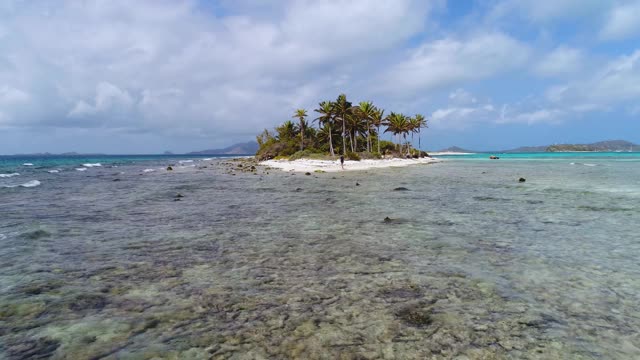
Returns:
(88,302)
(169,168)
(307,173)
(415,316)
(41,348)
(35,235)
(401,189)
(522,180)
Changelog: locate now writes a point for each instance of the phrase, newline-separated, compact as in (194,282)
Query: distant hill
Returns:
(609,145)
(456,149)
(250,147)
(526,149)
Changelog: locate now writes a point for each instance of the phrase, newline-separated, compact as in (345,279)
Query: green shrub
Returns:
(352,156)
(368,155)
(387,146)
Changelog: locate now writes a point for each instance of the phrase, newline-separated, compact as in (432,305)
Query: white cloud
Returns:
(169,66)
(10,96)
(461,96)
(623,21)
(109,99)
(618,82)
(447,62)
(533,117)
(561,61)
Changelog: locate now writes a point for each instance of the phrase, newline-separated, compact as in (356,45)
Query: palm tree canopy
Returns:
(396,123)
(325,110)
(300,114)
(421,120)
(378,117)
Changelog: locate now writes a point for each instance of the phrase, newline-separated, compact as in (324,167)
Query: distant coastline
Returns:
(601,146)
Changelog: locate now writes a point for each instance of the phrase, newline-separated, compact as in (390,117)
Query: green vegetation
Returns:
(341,125)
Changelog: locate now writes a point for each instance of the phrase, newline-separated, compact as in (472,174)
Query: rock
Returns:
(307,173)
(169,168)
(401,189)
(88,302)
(298,189)
(357,184)
(35,235)
(116,179)
(415,316)
(493,157)
(387,219)
(522,180)
(178,195)
(41,348)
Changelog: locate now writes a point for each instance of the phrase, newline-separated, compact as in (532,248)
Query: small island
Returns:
(343,129)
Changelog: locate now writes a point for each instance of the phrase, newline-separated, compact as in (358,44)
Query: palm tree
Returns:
(342,109)
(414,127)
(301,114)
(376,120)
(325,110)
(422,123)
(365,111)
(287,130)
(397,124)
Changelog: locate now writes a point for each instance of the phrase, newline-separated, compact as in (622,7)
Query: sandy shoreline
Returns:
(307,165)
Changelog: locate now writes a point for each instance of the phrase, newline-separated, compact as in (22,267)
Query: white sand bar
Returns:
(307,165)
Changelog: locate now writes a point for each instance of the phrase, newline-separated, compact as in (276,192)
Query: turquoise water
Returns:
(616,156)
(472,263)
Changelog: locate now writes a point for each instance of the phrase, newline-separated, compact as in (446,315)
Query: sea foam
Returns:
(28,184)
(583,164)
(92,165)
(9,175)
(81,169)
(185,161)
(27,164)
(148,170)
(53,171)
(32,183)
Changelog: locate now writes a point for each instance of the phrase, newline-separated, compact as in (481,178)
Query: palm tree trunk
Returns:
(344,132)
(350,141)
(378,139)
(301,135)
(368,137)
(355,141)
(408,144)
(331,142)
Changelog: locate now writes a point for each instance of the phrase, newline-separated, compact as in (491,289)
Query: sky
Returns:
(146,76)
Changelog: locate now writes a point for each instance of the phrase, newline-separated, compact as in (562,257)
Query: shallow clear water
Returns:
(471,263)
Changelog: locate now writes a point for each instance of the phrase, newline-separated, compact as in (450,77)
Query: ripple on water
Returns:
(252,268)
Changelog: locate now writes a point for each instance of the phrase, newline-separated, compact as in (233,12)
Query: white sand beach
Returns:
(308,165)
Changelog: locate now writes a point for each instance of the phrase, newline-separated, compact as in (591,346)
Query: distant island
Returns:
(343,128)
(248,148)
(601,146)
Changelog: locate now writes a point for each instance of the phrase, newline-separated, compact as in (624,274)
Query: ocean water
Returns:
(213,261)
